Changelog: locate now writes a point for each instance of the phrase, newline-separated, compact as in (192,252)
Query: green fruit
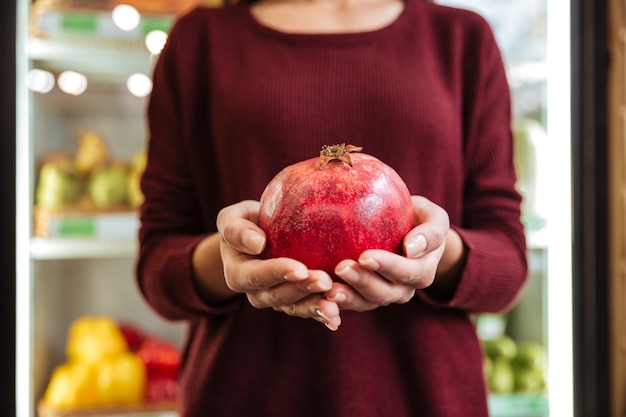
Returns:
(108,186)
(135,195)
(531,355)
(502,347)
(139,161)
(502,378)
(530,380)
(58,186)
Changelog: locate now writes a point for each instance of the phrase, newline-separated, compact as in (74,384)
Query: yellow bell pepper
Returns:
(71,386)
(91,339)
(101,371)
(120,380)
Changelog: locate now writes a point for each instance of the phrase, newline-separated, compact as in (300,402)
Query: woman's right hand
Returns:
(283,284)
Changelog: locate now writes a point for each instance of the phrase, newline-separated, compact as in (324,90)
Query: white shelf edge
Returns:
(104,61)
(82,248)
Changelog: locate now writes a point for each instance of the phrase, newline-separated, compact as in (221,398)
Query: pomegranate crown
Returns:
(339,152)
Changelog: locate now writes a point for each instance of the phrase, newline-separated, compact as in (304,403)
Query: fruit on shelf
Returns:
(90,179)
(120,380)
(161,360)
(501,347)
(512,367)
(531,355)
(107,186)
(112,365)
(530,364)
(71,387)
(137,168)
(100,371)
(326,209)
(92,152)
(530,380)
(91,339)
(501,379)
(59,184)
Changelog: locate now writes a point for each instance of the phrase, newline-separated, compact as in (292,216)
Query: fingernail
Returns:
(369,263)
(324,286)
(252,241)
(338,298)
(321,315)
(332,328)
(416,247)
(348,274)
(296,275)
(323,319)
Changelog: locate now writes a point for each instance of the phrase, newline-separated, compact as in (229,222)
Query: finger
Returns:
(432,227)
(371,286)
(244,273)
(238,227)
(416,273)
(316,307)
(288,293)
(348,299)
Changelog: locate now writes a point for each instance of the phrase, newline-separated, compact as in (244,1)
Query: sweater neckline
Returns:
(334,37)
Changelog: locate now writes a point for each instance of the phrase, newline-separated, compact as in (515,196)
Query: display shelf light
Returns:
(139,85)
(72,82)
(126,17)
(155,41)
(40,81)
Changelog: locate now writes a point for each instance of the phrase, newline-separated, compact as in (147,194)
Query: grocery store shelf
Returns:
(99,59)
(81,248)
(519,405)
(89,41)
(146,410)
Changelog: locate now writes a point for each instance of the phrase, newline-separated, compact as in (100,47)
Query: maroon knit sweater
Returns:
(233,103)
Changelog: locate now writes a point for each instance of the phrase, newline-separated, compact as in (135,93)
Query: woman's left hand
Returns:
(380,278)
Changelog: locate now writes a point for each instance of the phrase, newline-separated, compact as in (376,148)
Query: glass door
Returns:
(529,350)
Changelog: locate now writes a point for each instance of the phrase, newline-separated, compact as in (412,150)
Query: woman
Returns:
(242,91)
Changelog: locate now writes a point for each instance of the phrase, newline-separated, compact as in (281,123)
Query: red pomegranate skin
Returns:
(323,215)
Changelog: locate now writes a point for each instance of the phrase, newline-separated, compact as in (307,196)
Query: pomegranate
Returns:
(323,210)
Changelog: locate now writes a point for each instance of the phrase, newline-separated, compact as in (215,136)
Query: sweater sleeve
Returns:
(171,216)
(490,227)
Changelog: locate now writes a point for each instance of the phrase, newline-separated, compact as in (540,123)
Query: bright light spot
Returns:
(139,85)
(126,17)
(73,83)
(155,41)
(40,81)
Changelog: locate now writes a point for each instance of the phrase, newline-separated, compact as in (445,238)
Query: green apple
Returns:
(530,380)
(108,186)
(502,347)
(531,355)
(501,380)
(58,186)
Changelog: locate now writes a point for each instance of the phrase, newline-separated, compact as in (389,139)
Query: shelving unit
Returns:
(81,248)
(67,276)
